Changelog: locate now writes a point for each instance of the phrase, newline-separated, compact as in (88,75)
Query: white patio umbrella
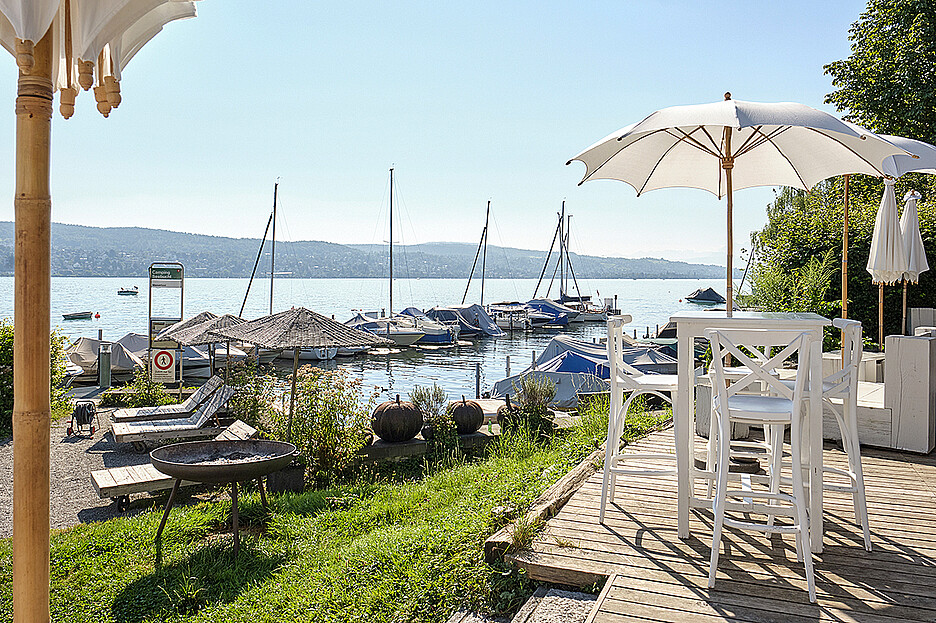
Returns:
(913,242)
(750,144)
(887,261)
(56,43)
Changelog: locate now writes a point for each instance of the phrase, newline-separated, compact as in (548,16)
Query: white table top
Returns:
(782,317)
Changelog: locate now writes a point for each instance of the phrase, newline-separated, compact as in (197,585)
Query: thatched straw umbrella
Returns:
(172,332)
(205,333)
(299,328)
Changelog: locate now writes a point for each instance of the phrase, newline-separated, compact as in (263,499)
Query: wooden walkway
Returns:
(655,576)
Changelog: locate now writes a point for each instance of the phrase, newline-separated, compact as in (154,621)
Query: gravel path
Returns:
(73,499)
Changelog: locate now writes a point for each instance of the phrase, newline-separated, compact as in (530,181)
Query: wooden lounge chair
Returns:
(179,428)
(120,482)
(166,412)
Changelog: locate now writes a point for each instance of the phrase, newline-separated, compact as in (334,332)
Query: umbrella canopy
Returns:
(206,332)
(922,161)
(299,328)
(887,261)
(172,332)
(913,240)
(56,43)
(751,144)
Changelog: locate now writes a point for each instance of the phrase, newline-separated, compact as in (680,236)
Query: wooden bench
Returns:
(121,482)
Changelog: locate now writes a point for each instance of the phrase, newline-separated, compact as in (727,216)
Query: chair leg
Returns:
(848,426)
(774,439)
(721,492)
(616,419)
(799,494)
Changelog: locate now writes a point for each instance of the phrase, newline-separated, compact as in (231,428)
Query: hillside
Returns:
(80,251)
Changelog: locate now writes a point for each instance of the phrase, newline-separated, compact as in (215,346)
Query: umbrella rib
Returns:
(769,139)
(758,138)
(662,157)
(693,141)
(608,159)
(859,156)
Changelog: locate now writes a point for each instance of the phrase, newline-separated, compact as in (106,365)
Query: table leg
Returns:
(162,522)
(814,445)
(682,420)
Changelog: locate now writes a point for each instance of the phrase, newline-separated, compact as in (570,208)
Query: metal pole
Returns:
(484,257)
(881,315)
(391,248)
(273,247)
(31,380)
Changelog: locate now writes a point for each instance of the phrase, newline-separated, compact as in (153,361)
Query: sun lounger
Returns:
(180,428)
(167,412)
(120,482)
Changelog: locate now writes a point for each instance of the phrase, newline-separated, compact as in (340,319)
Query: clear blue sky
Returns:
(469,101)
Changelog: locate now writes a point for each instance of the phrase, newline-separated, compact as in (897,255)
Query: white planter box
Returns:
(910,391)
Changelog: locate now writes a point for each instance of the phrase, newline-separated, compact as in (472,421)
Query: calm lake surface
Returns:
(649,301)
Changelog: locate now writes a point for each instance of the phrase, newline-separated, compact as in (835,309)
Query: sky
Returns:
(469,102)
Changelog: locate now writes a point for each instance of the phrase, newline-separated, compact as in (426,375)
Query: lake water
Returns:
(649,301)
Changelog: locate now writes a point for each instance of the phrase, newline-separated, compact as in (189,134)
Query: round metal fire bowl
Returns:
(223,461)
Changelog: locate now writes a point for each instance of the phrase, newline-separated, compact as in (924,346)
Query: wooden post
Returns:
(881,314)
(31,381)
(845,251)
(728,165)
(903,320)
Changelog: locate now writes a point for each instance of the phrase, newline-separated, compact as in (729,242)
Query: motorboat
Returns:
(399,334)
(706,296)
(128,291)
(435,332)
(85,315)
(561,315)
(310,354)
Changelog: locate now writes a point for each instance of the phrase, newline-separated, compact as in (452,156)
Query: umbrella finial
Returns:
(727,95)
(24,56)
(103,106)
(67,101)
(112,88)
(86,74)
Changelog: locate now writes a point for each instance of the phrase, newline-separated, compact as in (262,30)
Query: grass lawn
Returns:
(397,546)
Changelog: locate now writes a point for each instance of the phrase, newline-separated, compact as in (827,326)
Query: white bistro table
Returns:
(690,325)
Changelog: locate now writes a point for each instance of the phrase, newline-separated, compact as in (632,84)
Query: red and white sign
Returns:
(164,365)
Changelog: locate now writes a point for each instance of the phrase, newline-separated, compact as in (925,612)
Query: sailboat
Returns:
(305,354)
(583,310)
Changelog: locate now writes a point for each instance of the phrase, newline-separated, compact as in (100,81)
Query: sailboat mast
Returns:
(562,254)
(273,247)
(487,216)
(390,310)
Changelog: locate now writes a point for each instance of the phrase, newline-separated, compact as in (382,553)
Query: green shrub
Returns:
(432,403)
(330,422)
(141,391)
(60,404)
(532,411)
(254,393)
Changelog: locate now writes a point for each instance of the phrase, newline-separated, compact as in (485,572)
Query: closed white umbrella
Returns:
(887,261)
(749,144)
(913,241)
(58,45)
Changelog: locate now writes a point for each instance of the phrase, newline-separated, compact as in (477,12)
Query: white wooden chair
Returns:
(783,407)
(626,378)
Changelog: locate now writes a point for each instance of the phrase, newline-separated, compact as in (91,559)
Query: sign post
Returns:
(165,355)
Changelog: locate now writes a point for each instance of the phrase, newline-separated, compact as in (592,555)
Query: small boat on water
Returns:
(128,291)
(385,327)
(706,296)
(85,315)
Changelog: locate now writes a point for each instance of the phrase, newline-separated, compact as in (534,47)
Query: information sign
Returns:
(165,276)
(163,366)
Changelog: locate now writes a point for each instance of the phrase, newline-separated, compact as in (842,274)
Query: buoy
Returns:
(97,315)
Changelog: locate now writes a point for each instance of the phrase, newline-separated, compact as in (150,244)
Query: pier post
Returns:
(478,379)
(508,365)
(534,360)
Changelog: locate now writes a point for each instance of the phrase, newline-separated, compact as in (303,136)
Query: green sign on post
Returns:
(166,276)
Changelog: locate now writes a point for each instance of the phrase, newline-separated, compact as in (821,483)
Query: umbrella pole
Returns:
(903,320)
(728,165)
(292,393)
(31,379)
(845,251)
(881,314)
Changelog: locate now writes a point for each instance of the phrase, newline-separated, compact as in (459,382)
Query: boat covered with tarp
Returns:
(84,353)
(706,296)
(568,386)
(647,359)
(472,320)
(561,314)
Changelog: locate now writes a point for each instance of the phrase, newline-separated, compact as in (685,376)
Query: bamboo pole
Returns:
(31,380)
(903,319)
(845,252)
(881,314)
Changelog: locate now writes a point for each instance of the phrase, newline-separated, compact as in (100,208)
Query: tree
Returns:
(888,83)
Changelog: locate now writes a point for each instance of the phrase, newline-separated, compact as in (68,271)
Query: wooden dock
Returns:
(654,576)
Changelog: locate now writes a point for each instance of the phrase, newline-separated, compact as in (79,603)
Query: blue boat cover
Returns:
(568,385)
(472,319)
(647,359)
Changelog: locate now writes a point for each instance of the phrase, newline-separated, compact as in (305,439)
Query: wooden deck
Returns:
(654,576)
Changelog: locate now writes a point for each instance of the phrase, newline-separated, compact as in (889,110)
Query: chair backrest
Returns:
(846,379)
(201,394)
(762,352)
(619,369)
(214,404)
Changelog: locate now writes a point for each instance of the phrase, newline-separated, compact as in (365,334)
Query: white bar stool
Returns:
(784,407)
(626,378)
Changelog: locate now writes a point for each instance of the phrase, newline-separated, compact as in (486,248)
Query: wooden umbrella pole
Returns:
(903,319)
(31,408)
(845,251)
(881,314)
(292,393)
(728,165)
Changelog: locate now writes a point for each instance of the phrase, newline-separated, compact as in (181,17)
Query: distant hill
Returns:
(80,251)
